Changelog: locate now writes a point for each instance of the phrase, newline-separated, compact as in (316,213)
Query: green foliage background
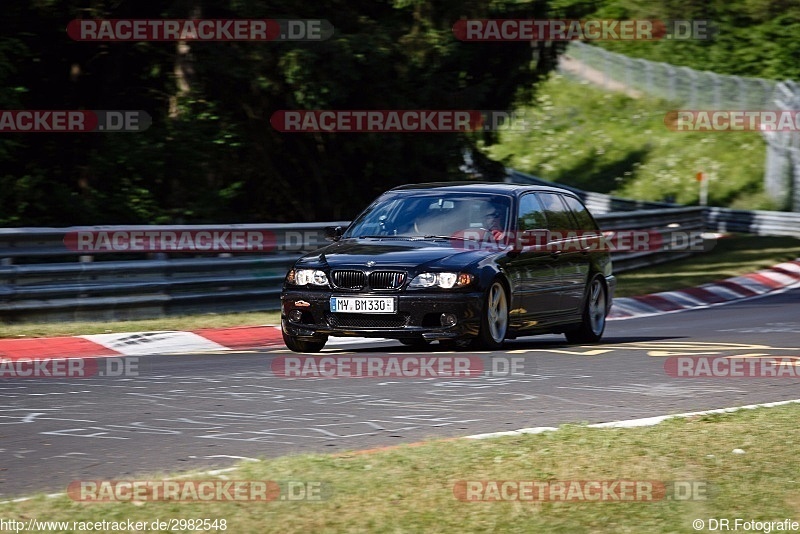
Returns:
(596,140)
(756,38)
(211,154)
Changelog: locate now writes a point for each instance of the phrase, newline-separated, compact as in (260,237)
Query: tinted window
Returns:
(430,213)
(558,216)
(581,213)
(531,215)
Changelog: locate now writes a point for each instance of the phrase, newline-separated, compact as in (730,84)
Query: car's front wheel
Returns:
(494,320)
(594,315)
(296,344)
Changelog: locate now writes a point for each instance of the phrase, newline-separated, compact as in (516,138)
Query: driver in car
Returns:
(493,222)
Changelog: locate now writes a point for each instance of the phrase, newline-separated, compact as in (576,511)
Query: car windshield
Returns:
(421,214)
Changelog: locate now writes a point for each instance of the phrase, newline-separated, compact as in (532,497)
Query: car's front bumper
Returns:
(417,315)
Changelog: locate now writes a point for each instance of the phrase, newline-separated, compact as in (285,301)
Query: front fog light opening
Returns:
(295,316)
(448,319)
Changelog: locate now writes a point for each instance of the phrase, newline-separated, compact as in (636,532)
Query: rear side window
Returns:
(531,215)
(558,216)
(581,214)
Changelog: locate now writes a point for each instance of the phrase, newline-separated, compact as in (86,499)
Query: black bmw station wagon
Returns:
(461,263)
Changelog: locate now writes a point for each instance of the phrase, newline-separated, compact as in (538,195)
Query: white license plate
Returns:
(363,304)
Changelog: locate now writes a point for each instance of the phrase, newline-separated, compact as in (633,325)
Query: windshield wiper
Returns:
(414,237)
(448,237)
(443,237)
(393,237)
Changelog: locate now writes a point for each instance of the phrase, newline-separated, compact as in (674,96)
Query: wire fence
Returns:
(693,89)
(782,169)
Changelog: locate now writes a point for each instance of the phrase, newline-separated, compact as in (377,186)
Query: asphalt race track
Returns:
(205,410)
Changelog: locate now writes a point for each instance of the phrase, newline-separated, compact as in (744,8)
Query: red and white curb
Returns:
(775,279)
(214,340)
(142,343)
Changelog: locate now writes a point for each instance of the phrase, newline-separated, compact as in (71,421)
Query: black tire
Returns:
(594,314)
(494,319)
(302,345)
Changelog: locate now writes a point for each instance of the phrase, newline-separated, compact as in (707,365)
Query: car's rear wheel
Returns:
(296,344)
(594,315)
(494,320)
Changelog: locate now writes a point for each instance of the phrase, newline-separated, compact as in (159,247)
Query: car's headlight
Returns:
(443,280)
(304,277)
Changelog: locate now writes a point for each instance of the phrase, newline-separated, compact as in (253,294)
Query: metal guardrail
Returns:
(679,231)
(43,242)
(598,203)
(777,223)
(41,279)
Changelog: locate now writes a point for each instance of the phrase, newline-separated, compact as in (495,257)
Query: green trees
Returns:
(211,154)
(756,38)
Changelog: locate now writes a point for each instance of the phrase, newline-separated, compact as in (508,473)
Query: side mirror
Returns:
(537,239)
(333,233)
